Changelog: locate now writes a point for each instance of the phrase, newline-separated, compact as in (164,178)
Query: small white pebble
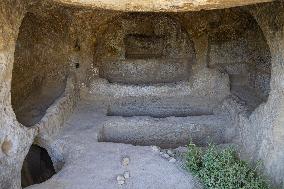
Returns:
(165,155)
(172,160)
(155,148)
(170,152)
(125,161)
(120,178)
(126,174)
(120,182)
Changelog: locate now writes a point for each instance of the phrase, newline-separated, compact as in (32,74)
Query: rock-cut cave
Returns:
(86,84)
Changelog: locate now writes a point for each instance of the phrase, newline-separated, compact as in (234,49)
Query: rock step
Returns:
(160,107)
(167,132)
(146,71)
(200,96)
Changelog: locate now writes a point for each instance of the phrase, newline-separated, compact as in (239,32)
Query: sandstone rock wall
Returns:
(41,56)
(160,6)
(261,132)
(153,47)
(14,138)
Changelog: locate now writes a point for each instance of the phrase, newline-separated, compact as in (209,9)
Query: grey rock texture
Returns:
(64,43)
(168,132)
(89,163)
(113,43)
(198,96)
(246,59)
(146,71)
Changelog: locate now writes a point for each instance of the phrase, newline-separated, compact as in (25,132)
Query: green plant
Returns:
(222,169)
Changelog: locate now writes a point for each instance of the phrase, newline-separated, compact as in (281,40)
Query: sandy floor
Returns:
(89,164)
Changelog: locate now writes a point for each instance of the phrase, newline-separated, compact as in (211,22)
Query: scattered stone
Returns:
(121,182)
(120,179)
(170,152)
(172,160)
(155,148)
(165,155)
(181,150)
(125,161)
(126,174)
(6,147)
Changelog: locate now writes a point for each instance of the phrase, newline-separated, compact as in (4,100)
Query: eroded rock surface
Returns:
(52,55)
(162,5)
(88,163)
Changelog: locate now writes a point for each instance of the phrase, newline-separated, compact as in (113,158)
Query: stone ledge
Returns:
(168,132)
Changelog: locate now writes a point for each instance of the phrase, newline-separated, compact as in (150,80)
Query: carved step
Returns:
(145,71)
(168,132)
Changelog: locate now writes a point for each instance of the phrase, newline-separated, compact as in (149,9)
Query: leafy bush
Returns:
(222,169)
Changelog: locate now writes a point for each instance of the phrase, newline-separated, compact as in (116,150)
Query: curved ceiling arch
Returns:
(160,5)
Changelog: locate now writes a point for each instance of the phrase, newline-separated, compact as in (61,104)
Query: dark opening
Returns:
(37,167)
(77,65)
(143,46)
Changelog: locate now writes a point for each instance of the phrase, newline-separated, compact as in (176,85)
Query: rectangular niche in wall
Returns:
(139,46)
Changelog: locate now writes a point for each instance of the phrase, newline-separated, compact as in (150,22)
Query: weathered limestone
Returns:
(235,70)
(57,114)
(82,156)
(200,95)
(146,71)
(262,132)
(242,52)
(138,43)
(170,132)
(34,90)
(14,138)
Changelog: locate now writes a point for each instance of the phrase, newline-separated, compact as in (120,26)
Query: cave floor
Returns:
(89,164)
